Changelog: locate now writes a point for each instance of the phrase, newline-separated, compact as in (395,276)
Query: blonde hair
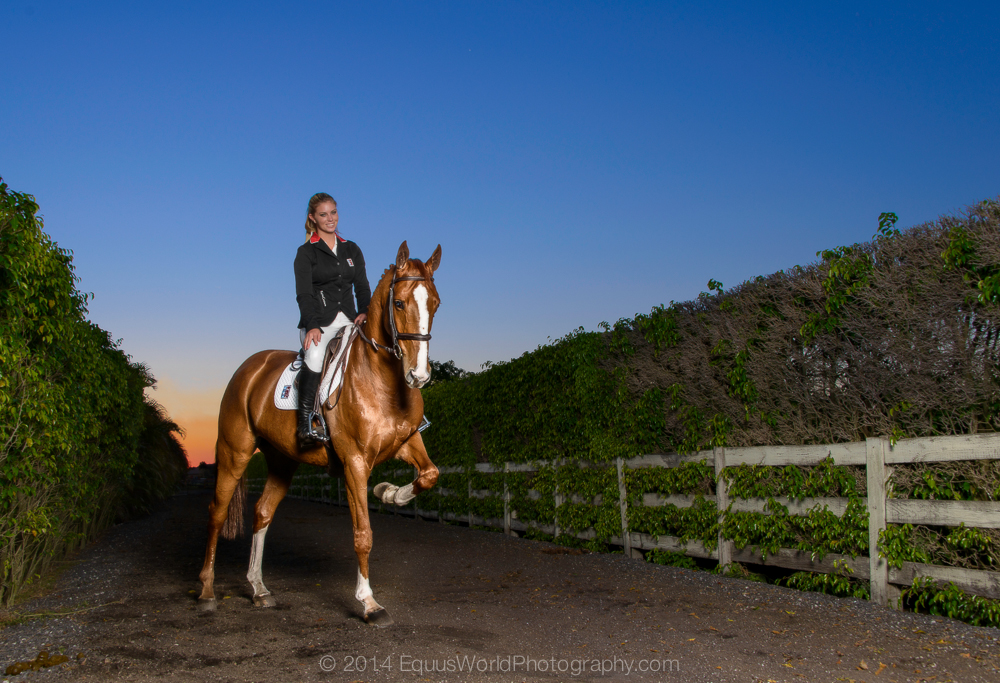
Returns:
(315,201)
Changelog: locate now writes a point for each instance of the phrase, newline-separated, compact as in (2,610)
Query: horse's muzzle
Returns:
(416,382)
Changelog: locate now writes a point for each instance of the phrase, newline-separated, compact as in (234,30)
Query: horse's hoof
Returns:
(379,618)
(207,604)
(381,489)
(264,601)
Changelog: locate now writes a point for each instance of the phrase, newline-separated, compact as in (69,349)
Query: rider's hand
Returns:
(312,338)
(362,317)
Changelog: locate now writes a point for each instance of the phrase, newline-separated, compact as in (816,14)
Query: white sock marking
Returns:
(364,590)
(385,491)
(395,495)
(254,576)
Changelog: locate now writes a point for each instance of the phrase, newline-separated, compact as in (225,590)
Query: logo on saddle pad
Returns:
(286,390)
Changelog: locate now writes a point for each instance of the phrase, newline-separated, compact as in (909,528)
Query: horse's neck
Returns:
(380,366)
(374,327)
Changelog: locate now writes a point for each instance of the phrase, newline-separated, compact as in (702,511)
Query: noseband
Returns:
(396,334)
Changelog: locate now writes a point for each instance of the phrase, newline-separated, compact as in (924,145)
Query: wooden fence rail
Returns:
(876,455)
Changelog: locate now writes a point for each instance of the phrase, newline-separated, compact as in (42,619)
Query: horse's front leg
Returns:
(414,453)
(356,479)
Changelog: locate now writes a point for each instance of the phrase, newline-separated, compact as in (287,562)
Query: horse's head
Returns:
(412,304)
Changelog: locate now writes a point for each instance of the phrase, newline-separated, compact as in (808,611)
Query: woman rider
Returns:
(327,268)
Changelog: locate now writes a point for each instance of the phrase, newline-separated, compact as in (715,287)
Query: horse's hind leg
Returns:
(231,461)
(279,478)
(356,479)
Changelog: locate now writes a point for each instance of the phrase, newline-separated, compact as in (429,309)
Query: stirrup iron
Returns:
(321,436)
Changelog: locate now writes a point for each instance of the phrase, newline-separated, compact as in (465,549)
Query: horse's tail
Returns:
(235,525)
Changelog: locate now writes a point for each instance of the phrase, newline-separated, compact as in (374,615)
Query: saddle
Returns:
(338,351)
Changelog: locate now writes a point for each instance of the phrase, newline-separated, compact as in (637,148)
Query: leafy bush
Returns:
(839,582)
(73,419)
(925,595)
(670,558)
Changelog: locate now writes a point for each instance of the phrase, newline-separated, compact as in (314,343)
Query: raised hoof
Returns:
(379,618)
(207,604)
(381,489)
(264,601)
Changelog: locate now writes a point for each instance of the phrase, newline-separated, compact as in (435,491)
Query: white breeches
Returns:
(315,354)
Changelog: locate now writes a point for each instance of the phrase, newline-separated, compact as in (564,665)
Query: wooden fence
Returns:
(876,455)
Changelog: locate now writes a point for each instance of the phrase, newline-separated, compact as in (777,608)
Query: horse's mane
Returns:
(382,288)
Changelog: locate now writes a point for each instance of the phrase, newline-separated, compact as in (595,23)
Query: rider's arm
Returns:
(362,290)
(308,306)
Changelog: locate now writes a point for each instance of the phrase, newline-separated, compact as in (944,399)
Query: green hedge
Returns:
(73,417)
(559,401)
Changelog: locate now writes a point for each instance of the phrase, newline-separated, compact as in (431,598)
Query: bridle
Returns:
(396,334)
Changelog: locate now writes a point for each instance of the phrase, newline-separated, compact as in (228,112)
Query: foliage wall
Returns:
(897,336)
(79,444)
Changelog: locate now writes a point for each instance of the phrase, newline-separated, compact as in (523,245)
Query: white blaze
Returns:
(420,296)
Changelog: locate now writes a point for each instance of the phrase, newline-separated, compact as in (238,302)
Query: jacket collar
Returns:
(314,238)
(318,242)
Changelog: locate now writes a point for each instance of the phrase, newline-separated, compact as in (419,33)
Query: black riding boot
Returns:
(308,383)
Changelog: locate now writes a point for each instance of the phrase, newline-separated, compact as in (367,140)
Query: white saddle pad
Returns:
(286,391)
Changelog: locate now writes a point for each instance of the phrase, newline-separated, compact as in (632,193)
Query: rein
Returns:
(396,334)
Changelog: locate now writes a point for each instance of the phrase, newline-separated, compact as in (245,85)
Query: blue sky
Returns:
(578,162)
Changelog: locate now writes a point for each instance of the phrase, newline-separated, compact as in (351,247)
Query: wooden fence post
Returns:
(506,500)
(722,503)
(623,507)
(878,567)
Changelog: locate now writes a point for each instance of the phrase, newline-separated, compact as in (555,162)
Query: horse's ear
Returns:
(403,255)
(435,260)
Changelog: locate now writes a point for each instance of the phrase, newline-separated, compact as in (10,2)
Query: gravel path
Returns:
(508,609)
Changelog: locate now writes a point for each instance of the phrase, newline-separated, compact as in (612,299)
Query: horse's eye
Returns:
(399,304)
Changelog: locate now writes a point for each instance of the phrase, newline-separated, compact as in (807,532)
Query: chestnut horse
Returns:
(375,419)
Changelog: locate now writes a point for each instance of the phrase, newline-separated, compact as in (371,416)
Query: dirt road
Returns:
(469,605)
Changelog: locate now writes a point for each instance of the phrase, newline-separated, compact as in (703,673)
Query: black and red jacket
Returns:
(323,282)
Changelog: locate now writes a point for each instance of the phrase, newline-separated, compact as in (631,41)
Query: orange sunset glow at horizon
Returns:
(196,412)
